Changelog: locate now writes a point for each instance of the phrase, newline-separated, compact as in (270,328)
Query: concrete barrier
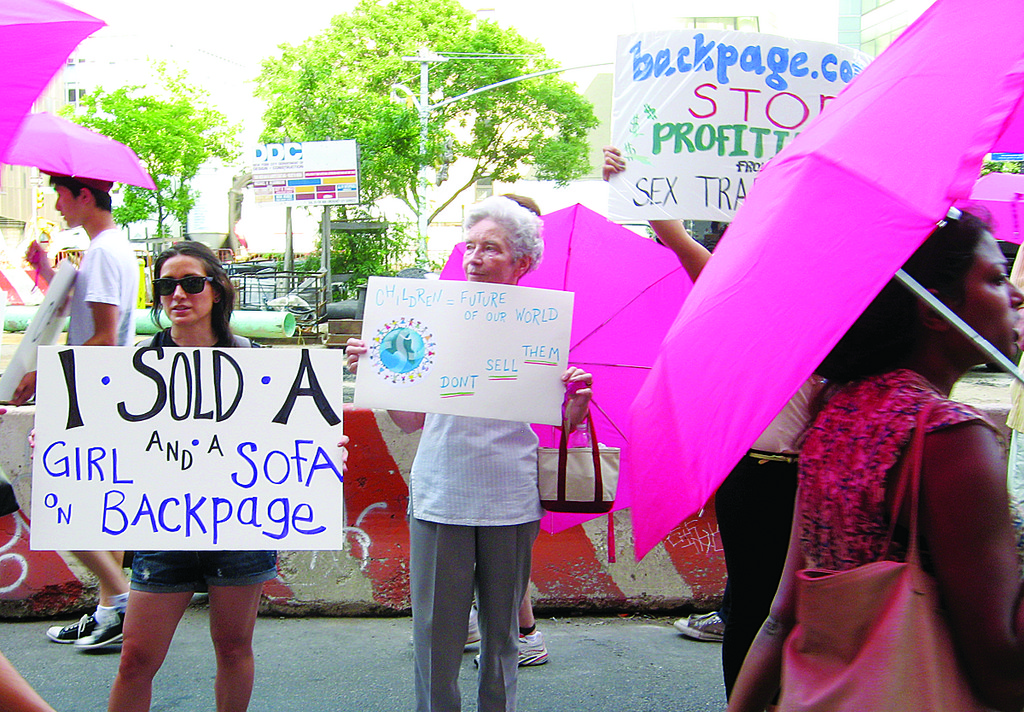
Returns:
(369,576)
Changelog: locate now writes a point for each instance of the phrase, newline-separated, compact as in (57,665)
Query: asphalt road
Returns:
(632,664)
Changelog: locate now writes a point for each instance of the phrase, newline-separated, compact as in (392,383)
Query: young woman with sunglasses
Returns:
(195,293)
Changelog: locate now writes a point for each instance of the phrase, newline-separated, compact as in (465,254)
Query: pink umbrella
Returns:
(826,225)
(627,289)
(36,38)
(1002,194)
(56,145)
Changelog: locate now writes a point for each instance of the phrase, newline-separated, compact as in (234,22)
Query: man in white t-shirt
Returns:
(102,314)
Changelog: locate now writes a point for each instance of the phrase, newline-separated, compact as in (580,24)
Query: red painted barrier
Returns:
(34,583)
(370,576)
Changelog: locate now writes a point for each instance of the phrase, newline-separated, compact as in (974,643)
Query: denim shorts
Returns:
(176,571)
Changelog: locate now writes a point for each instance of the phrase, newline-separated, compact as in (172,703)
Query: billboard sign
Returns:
(306,173)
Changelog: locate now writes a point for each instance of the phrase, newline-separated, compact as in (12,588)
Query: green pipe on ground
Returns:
(17,318)
(252,324)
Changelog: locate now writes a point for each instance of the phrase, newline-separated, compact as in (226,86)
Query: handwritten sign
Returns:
(697,113)
(465,348)
(187,449)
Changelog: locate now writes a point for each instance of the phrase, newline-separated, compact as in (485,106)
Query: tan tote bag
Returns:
(875,637)
(578,479)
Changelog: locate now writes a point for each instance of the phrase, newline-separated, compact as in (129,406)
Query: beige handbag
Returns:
(875,637)
(578,479)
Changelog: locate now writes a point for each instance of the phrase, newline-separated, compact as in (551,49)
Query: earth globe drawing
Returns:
(402,350)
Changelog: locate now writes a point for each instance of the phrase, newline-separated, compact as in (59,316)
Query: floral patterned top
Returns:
(855,441)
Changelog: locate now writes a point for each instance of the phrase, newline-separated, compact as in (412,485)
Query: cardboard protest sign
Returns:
(465,348)
(44,329)
(187,449)
(698,112)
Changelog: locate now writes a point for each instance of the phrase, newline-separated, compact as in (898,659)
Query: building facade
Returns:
(27,202)
(872,25)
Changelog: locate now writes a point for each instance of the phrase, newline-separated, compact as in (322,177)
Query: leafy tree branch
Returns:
(337,85)
(173,130)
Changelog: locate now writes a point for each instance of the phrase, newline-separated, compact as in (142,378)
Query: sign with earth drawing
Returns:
(697,113)
(465,348)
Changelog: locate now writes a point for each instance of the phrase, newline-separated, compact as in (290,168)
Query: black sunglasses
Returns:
(193,284)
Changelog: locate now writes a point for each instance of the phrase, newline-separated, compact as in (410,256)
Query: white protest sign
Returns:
(44,329)
(187,449)
(698,112)
(465,348)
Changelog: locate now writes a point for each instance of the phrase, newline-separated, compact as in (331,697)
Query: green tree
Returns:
(173,130)
(1002,167)
(370,246)
(338,85)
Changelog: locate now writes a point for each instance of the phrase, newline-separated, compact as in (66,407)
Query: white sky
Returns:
(570,29)
(221,42)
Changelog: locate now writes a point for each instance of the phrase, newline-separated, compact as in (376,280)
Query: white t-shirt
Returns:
(783,434)
(109,274)
(475,472)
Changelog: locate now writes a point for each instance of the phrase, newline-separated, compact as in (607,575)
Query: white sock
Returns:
(105,616)
(120,602)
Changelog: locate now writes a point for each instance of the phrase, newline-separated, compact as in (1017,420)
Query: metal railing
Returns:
(261,286)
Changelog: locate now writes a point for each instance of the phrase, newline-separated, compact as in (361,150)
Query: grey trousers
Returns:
(446,563)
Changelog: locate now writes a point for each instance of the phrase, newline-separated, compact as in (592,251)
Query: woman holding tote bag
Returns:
(889,454)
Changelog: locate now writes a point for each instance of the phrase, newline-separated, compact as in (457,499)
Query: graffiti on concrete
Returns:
(700,535)
(360,535)
(12,561)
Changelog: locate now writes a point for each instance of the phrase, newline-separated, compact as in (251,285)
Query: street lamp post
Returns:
(425,58)
(423,109)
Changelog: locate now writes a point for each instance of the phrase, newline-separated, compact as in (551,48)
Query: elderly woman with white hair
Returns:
(474,507)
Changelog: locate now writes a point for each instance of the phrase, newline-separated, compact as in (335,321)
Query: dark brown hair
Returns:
(220,316)
(102,198)
(888,330)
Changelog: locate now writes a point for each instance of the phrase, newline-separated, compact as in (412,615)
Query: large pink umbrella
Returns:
(36,38)
(1002,194)
(826,225)
(627,290)
(57,145)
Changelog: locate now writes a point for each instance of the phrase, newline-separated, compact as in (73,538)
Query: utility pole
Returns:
(425,58)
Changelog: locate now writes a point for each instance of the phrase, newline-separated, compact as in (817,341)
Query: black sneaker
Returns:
(103,635)
(72,632)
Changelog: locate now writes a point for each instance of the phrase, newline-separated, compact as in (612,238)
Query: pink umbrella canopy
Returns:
(1002,195)
(56,145)
(826,225)
(627,290)
(36,38)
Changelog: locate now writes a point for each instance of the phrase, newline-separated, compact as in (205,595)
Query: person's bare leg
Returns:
(107,567)
(526,618)
(232,620)
(149,626)
(16,694)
